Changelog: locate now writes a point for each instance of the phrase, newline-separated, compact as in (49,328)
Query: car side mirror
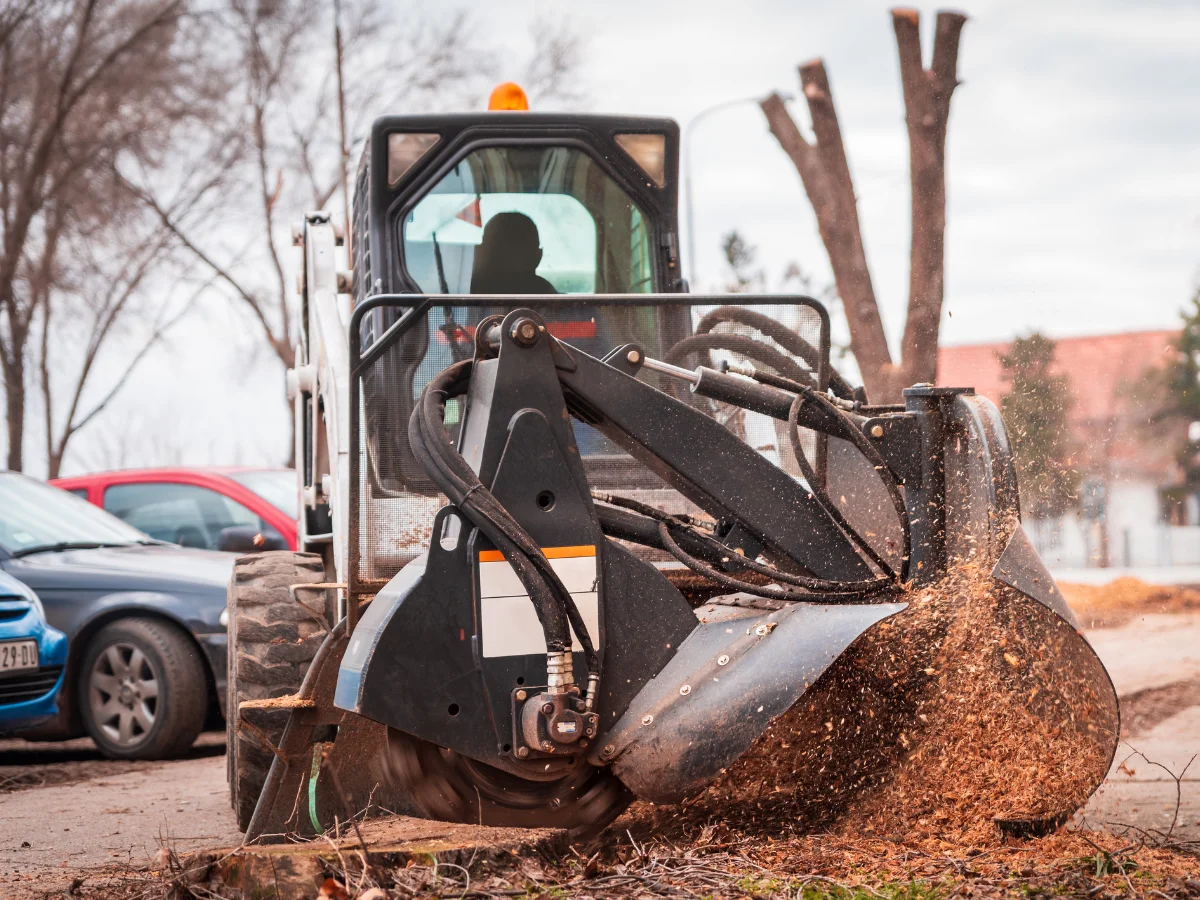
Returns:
(248,539)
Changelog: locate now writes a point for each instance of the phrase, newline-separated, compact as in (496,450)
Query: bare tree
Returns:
(301,122)
(551,73)
(825,172)
(85,88)
(12,16)
(116,296)
(289,111)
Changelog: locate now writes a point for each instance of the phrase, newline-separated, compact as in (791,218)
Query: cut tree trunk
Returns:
(825,173)
(926,112)
(826,176)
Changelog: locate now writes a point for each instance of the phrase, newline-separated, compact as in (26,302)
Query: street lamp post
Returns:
(687,172)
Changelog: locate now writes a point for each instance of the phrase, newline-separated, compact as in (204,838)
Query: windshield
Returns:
(277,486)
(528,220)
(33,514)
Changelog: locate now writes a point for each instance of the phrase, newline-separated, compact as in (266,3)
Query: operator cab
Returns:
(556,205)
(518,203)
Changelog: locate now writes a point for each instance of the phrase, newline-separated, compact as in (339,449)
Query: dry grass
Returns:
(719,862)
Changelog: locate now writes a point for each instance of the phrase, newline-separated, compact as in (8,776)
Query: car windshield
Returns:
(277,486)
(36,515)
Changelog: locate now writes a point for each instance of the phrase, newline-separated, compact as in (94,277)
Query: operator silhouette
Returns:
(506,260)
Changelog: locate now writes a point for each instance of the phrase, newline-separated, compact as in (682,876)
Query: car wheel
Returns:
(272,640)
(142,690)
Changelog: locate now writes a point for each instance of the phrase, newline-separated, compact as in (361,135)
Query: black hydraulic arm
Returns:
(709,465)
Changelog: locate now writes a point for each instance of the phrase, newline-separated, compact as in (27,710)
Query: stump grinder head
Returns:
(808,621)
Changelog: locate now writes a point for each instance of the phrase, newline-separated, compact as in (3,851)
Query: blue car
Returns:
(33,658)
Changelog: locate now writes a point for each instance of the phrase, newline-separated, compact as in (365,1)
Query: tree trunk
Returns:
(14,410)
(926,111)
(826,176)
(825,173)
(54,465)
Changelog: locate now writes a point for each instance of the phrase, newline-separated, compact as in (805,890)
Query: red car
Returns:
(210,508)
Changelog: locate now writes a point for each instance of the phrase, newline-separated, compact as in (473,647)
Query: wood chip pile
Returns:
(974,703)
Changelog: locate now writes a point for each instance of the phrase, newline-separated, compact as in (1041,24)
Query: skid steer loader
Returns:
(571,535)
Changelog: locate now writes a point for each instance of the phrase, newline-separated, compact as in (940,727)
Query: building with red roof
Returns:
(1127,460)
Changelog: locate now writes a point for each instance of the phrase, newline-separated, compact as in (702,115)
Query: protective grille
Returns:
(396,502)
(28,685)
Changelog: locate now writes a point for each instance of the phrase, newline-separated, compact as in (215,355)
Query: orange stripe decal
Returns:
(551,553)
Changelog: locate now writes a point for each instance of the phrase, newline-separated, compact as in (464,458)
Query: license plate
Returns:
(16,655)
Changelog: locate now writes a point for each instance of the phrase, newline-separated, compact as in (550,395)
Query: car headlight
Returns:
(223,618)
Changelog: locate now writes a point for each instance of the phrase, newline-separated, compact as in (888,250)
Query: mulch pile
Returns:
(974,703)
(1115,603)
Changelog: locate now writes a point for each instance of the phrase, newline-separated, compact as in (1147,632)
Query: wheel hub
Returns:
(123,693)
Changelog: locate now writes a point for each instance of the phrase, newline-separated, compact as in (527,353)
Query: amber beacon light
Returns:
(510,96)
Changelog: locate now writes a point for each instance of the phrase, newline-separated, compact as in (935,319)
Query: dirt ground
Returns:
(67,814)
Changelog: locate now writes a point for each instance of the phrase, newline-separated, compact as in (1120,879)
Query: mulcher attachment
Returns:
(531,669)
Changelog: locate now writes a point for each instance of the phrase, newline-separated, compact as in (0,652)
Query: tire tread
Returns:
(272,641)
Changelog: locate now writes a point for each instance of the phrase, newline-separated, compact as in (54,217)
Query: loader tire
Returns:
(272,641)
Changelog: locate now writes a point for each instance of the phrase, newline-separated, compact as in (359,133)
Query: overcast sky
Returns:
(1073,171)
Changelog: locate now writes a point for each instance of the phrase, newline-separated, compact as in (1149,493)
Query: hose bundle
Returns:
(670,530)
(431,444)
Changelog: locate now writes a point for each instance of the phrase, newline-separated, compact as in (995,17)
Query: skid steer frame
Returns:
(946,446)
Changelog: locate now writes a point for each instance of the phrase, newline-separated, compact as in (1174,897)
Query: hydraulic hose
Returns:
(431,444)
(849,591)
(738,343)
(649,525)
(785,337)
(642,525)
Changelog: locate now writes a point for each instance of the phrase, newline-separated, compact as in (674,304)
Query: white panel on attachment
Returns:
(508,621)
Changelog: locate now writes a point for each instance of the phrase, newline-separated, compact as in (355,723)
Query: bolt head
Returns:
(761,630)
(547,747)
(634,356)
(722,660)
(521,695)
(609,750)
(876,431)
(684,690)
(647,719)
(547,709)
(525,332)
(522,752)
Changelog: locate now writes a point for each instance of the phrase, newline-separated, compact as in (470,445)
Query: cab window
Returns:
(520,220)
